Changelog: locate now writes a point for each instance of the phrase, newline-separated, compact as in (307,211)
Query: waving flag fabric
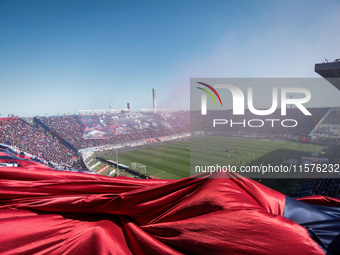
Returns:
(43,211)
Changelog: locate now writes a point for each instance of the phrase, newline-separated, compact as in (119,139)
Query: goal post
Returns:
(138,167)
(150,171)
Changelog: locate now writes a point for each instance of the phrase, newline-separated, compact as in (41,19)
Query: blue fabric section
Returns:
(322,222)
(10,155)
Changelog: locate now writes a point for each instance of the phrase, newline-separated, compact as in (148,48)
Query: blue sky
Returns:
(63,56)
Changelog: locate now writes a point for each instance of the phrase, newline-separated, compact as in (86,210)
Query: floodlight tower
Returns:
(154,99)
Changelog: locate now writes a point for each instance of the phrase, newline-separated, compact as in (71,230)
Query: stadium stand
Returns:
(86,131)
(98,130)
(16,132)
(325,187)
(57,139)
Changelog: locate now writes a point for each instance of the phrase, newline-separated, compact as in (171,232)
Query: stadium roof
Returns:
(330,71)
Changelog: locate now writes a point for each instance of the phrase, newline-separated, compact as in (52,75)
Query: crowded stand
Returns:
(93,131)
(67,126)
(17,133)
(325,186)
(120,128)
(85,131)
(329,187)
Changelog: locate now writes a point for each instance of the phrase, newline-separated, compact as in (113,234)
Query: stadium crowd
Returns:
(327,187)
(72,130)
(16,132)
(35,140)
(67,126)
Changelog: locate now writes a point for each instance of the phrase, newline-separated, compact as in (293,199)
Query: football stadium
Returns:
(76,162)
(141,181)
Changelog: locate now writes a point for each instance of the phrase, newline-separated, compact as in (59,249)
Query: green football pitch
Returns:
(172,161)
